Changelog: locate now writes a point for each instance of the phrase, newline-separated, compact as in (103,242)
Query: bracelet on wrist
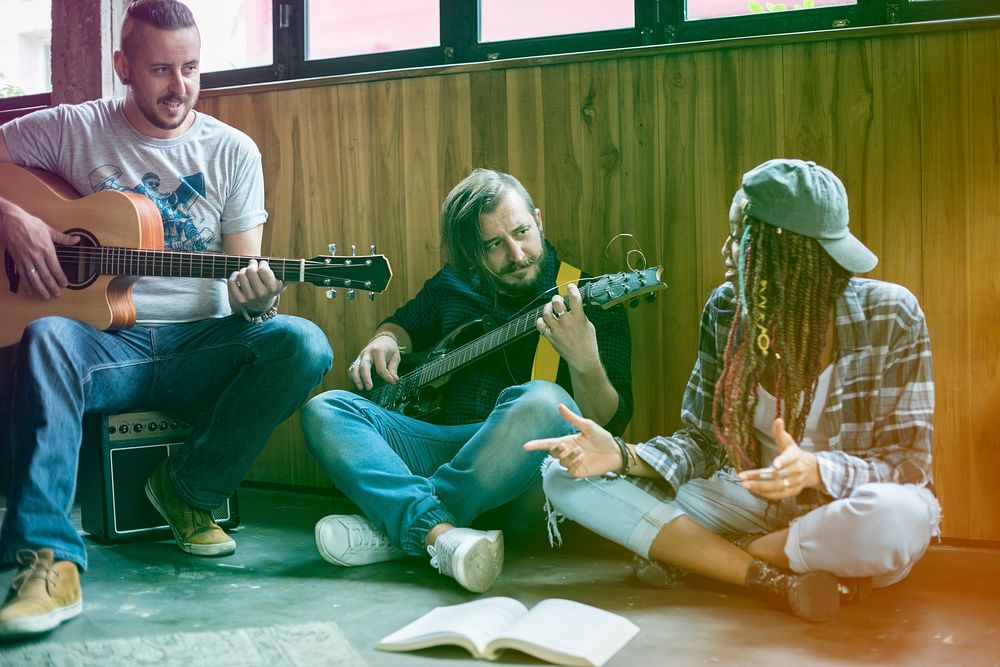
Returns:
(257,317)
(626,457)
(387,334)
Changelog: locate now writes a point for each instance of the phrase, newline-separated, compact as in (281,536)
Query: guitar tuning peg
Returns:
(371,249)
(354,251)
(650,298)
(331,294)
(632,303)
(350,295)
(333,248)
(371,296)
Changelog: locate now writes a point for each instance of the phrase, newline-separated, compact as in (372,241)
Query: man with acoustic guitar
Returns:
(422,480)
(244,372)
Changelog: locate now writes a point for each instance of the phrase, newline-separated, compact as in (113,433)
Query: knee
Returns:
(537,401)
(892,523)
(320,417)
(303,342)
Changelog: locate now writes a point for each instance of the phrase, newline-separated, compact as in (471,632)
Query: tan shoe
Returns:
(42,595)
(194,529)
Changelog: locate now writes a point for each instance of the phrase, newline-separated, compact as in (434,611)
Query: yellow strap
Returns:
(546,364)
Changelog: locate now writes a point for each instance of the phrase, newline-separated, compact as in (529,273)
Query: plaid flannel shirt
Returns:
(880,408)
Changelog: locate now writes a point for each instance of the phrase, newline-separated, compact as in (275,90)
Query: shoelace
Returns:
(31,569)
(441,553)
(364,537)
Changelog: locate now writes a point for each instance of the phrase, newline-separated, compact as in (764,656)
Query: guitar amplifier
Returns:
(118,455)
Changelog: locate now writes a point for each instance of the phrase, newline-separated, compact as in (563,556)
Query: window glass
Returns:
(714,9)
(502,20)
(234,33)
(25,47)
(336,28)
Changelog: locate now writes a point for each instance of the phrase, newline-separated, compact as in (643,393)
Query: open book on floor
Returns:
(562,632)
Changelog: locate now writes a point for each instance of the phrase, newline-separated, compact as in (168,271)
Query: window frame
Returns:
(657,22)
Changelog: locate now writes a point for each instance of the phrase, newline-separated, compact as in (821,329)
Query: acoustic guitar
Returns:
(121,240)
(417,392)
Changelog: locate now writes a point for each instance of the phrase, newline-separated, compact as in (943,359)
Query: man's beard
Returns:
(530,288)
(156,121)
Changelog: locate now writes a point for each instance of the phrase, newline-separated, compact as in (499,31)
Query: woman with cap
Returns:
(803,467)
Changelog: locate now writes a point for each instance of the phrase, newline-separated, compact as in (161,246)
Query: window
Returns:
(235,34)
(337,28)
(697,10)
(25,53)
(251,41)
(505,20)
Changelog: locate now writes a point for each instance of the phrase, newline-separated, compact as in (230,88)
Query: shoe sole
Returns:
(395,554)
(816,597)
(480,563)
(222,549)
(36,625)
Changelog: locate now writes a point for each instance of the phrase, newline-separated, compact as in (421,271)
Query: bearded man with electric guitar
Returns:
(422,467)
(214,346)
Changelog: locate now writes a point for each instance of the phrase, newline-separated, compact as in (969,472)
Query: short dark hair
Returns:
(160,14)
(481,192)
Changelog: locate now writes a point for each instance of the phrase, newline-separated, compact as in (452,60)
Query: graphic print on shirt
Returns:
(180,228)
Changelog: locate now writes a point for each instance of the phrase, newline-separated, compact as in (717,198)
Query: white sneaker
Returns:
(347,539)
(474,558)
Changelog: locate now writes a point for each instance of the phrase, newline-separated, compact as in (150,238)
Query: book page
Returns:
(568,633)
(477,622)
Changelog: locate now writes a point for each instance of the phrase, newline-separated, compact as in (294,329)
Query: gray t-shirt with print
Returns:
(206,183)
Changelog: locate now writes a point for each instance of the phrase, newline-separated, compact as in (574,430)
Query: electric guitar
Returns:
(416,392)
(121,240)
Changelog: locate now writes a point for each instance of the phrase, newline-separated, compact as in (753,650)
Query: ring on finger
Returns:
(355,363)
(784,482)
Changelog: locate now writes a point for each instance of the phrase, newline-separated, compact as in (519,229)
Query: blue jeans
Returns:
(246,378)
(407,476)
(880,530)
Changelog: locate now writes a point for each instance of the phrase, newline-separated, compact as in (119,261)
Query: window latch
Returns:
(284,16)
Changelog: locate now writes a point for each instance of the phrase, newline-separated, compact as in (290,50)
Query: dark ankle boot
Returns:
(812,596)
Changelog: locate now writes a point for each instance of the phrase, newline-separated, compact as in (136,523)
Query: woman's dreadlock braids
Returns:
(782,315)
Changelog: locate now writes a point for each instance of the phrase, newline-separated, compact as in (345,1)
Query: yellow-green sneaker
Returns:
(194,529)
(42,595)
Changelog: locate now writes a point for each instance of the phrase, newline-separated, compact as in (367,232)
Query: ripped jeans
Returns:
(880,530)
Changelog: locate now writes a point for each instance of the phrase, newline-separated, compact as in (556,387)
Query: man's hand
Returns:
(32,246)
(792,471)
(589,453)
(568,329)
(254,287)
(382,352)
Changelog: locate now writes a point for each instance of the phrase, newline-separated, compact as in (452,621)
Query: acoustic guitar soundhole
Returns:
(81,262)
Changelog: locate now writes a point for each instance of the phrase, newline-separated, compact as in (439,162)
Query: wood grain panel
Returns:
(975,461)
(944,128)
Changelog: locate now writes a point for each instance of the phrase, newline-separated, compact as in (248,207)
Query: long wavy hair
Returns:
(787,285)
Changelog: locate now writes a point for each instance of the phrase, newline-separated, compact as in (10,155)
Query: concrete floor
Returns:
(946,613)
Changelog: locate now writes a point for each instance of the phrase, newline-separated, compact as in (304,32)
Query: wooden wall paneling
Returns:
(600,117)
(759,100)
(429,177)
(489,113)
(642,213)
(944,112)
(984,285)
(808,89)
(892,215)
(718,118)
(678,83)
(525,138)
(856,155)
(563,130)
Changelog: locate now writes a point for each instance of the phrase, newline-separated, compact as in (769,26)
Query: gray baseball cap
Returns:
(810,200)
